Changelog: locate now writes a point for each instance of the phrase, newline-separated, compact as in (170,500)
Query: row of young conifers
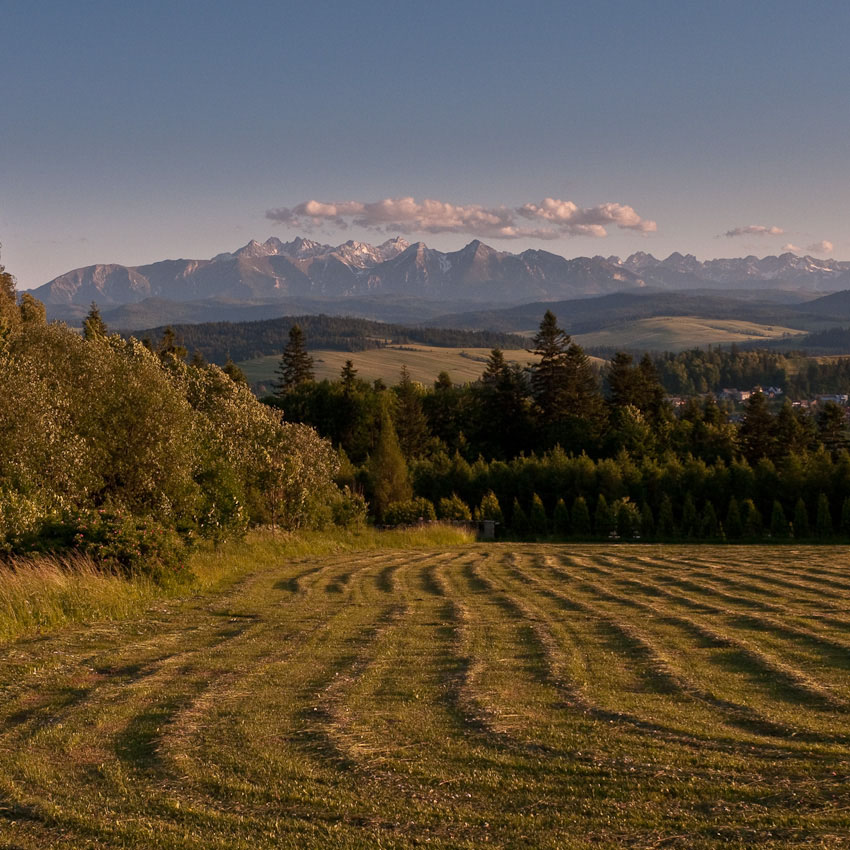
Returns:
(522,695)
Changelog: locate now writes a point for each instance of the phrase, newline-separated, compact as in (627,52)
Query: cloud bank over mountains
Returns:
(550,219)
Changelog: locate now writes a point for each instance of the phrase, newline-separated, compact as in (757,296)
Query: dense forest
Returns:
(551,449)
(216,341)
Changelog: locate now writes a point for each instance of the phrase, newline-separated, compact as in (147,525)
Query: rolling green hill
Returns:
(423,362)
(674,333)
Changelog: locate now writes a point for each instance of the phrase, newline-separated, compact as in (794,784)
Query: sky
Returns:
(131,133)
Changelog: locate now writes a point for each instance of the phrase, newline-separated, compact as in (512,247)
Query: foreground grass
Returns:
(43,594)
(509,695)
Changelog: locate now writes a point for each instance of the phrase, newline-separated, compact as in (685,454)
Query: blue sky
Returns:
(135,132)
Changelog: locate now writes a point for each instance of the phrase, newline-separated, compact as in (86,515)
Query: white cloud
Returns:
(794,249)
(550,219)
(755,230)
(822,247)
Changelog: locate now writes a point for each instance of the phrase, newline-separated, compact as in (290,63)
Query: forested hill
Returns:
(245,340)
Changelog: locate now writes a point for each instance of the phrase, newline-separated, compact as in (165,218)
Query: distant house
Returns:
(836,398)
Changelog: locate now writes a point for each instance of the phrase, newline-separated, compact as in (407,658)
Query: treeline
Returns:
(553,442)
(216,341)
(709,371)
(129,455)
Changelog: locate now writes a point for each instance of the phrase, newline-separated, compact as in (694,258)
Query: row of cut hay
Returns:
(39,595)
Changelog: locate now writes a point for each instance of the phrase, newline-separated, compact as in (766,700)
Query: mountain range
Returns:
(258,278)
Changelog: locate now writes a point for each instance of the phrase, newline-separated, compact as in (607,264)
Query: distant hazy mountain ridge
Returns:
(272,270)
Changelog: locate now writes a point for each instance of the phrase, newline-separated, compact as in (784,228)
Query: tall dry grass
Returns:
(45,593)
(42,594)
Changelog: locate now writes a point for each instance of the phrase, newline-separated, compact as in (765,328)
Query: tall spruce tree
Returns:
(388,471)
(409,418)
(93,325)
(549,374)
(296,365)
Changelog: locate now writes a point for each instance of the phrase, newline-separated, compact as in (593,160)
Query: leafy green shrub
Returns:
(116,541)
(350,509)
(410,512)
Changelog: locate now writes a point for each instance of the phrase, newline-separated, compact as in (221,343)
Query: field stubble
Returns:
(506,695)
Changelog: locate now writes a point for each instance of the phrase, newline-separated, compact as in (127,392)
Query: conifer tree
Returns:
(801,520)
(757,432)
(93,325)
(296,364)
(845,517)
(169,350)
(561,519)
(234,372)
(537,520)
(409,418)
(690,518)
(824,517)
(548,377)
(388,470)
(733,526)
(647,521)
(778,522)
(519,520)
(627,520)
(666,524)
(603,522)
(752,519)
(348,378)
(708,525)
(580,515)
(490,508)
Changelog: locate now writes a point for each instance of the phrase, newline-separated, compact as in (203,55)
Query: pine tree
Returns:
(622,381)
(603,522)
(647,522)
(824,517)
(519,521)
(169,349)
(580,517)
(832,427)
(537,520)
(627,520)
(234,372)
(296,364)
(410,422)
(752,519)
(708,525)
(801,520)
(734,527)
(666,524)
(561,519)
(548,376)
(93,325)
(757,432)
(348,378)
(778,522)
(490,508)
(690,518)
(388,470)
(845,517)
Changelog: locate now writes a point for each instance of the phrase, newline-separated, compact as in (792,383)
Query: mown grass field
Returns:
(423,362)
(506,695)
(676,333)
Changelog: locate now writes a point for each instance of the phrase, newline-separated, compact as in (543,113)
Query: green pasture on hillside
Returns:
(424,363)
(677,333)
(505,695)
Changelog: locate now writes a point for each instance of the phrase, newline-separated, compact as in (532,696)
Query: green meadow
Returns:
(410,691)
